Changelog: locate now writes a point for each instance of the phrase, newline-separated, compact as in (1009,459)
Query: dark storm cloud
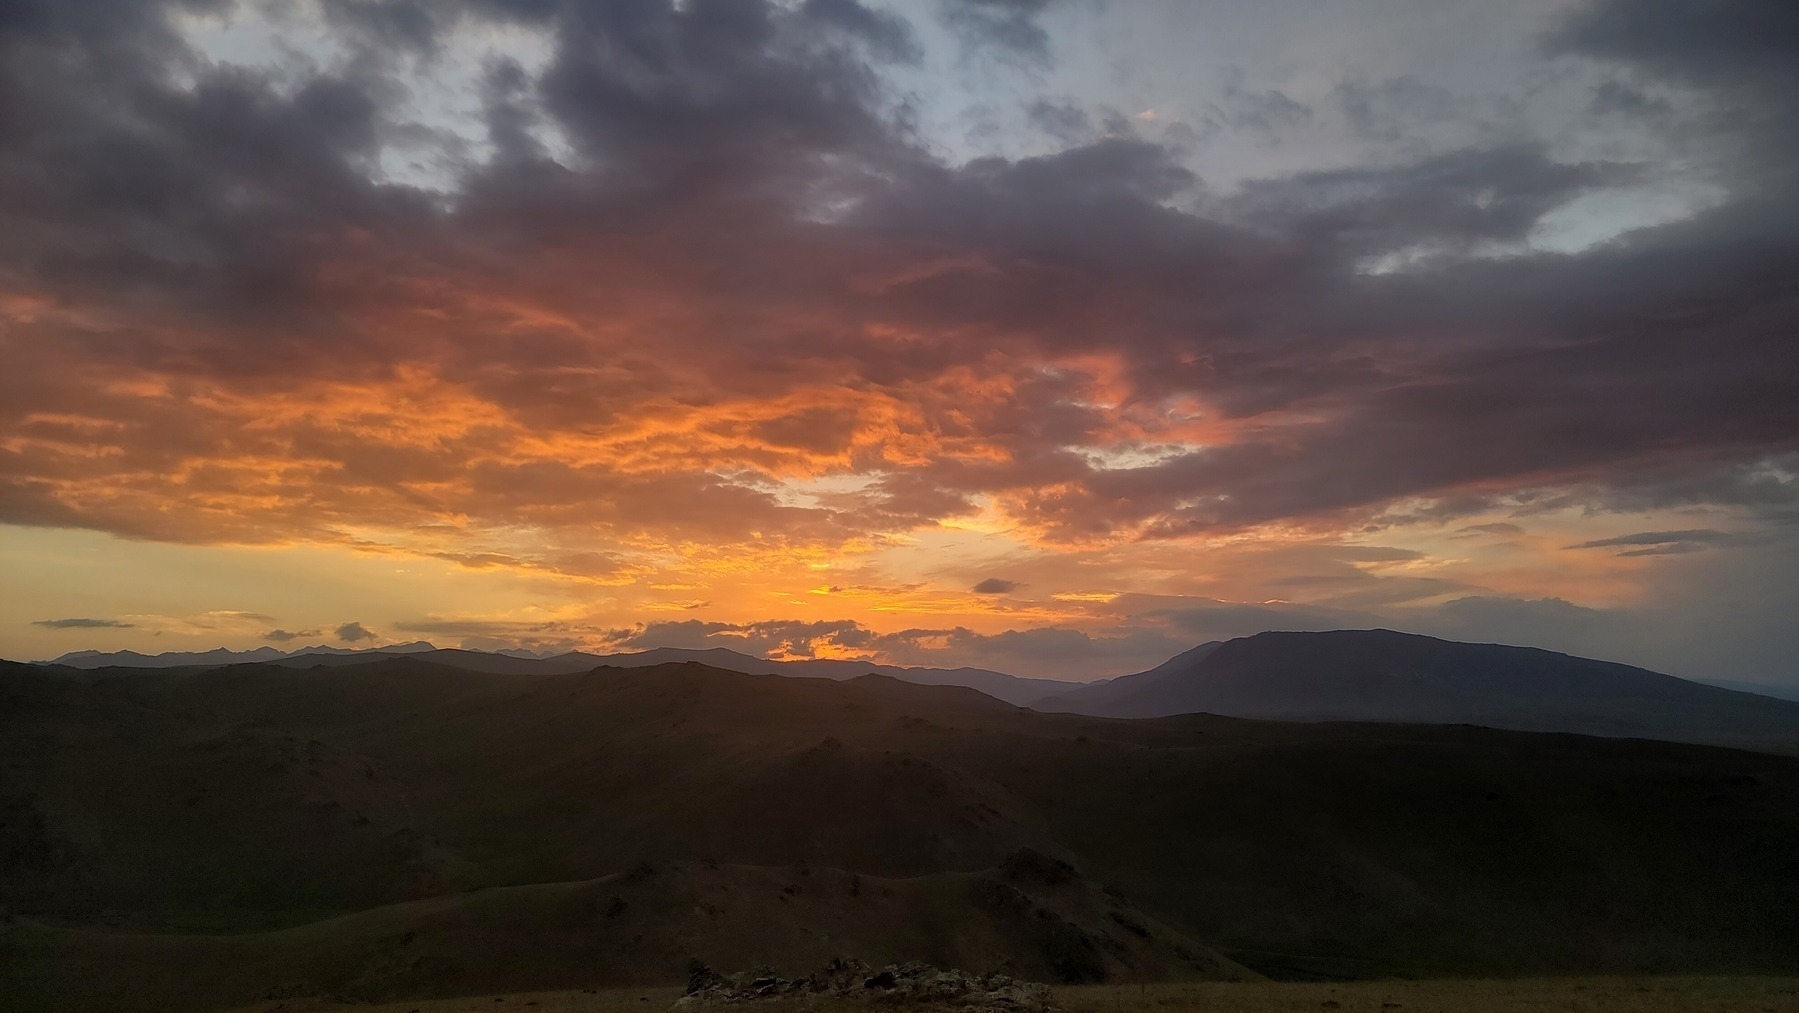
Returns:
(350,633)
(745,189)
(83,624)
(676,105)
(1742,55)
(1708,40)
(186,205)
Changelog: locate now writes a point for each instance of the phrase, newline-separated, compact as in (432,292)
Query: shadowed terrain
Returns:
(630,927)
(215,816)
(1514,995)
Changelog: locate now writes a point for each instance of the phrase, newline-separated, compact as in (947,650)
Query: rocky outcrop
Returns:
(913,985)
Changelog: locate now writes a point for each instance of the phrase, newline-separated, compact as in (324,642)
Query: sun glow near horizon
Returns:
(1054,343)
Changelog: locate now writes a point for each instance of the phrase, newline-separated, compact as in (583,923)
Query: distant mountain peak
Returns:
(1389,676)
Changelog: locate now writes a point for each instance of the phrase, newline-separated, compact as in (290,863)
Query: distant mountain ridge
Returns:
(1381,675)
(1340,675)
(1012,689)
(223,656)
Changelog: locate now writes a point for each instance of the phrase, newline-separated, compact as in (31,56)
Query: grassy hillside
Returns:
(641,926)
(253,798)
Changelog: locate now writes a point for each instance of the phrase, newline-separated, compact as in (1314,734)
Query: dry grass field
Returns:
(1525,995)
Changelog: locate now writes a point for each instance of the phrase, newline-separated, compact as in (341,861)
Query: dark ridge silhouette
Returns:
(1380,675)
(1009,688)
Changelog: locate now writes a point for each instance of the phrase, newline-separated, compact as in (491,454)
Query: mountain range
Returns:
(1010,688)
(1340,675)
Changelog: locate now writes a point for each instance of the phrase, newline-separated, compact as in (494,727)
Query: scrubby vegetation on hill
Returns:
(393,824)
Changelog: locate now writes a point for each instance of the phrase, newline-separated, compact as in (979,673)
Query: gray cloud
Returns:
(1066,121)
(83,624)
(280,636)
(1494,528)
(1658,543)
(1008,26)
(887,35)
(351,633)
(1549,622)
(1453,201)
(996,585)
(1201,621)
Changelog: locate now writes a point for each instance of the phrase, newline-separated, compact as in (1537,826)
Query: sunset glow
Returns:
(824,330)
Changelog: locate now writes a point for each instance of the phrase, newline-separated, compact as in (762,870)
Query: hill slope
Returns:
(636,927)
(256,798)
(1379,675)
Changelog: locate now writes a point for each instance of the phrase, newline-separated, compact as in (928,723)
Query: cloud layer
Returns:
(664,293)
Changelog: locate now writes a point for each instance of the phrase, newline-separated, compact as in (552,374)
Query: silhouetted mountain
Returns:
(1010,688)
(1379,675)
(222,656)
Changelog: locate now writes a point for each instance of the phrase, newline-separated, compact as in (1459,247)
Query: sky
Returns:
(1047,336)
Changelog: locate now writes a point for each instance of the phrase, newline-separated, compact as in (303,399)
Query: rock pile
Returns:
(914,985)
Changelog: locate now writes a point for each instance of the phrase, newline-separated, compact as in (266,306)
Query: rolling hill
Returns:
(1379,675)
(142,808)
(626,928)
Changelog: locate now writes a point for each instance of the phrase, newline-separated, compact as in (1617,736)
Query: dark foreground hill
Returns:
(1030,916)
(142,809)
(1379,675)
